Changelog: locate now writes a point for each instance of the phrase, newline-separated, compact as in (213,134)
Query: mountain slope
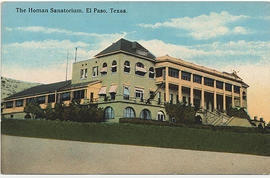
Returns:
(11,86)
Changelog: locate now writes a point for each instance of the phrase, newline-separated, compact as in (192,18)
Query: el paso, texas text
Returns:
(70,10)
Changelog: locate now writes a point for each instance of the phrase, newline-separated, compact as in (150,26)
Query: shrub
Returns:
(75,112)
(238,113)
(181,113)
(144,121)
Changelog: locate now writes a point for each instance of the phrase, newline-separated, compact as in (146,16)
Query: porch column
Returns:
(202,94)
(167,85)
(191,96)
(202,101)
(232,96)
(46,99)
(241,97)
(215,95)
(180,93)
(224,102)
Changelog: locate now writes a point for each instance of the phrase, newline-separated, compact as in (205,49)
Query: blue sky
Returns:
(222,35)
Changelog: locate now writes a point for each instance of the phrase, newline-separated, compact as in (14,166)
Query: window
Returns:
(139,64)
(112,96)
(95,71)
(78,94)
(109,113)
(81,74)
(40,99)
(159,72)
(161,116)
(65,96)
(29,100)
(244,95)
(197,78)
(159,97)
(185,75)
(164,97)
(91,97)
(126,93)
(208,82)
(228,87)
(177,98)
(104,68)
(19,103)
(9,104)
(127,66)
(114,66)
(151,72)
(139,94)
(145,114)
(173,72)
(85,73)
(139,69)
(184,99)
(236,89)
(171,98)
(219,84)
(51,98)
(129,112)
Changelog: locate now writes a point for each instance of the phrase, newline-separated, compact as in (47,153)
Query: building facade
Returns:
(128,81)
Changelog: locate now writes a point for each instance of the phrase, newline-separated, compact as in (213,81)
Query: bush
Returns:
(238,113)
(75,112)
(34,110)
(181,113)
(144,121)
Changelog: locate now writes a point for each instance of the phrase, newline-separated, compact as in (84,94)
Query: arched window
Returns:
(151,72)
(129,112)
(145,114)
(109,113)
(104,69)
(139,69)
(161,116)
(127,66)
(114,66)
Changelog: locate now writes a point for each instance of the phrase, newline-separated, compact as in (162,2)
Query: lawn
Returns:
(146,135)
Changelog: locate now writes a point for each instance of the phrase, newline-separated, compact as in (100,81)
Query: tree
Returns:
(268,125)
(49,112)
(181,113)
(34,110)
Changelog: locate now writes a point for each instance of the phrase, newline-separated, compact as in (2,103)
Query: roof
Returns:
(77,85)
(40,89)
(127,46)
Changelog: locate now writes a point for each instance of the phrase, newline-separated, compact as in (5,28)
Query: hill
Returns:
(10,86)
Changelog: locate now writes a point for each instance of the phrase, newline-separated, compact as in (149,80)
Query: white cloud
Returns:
(48,44)
(204,26)
(218,49)
(48,74)
(240,30)
(160,48)
(63,31)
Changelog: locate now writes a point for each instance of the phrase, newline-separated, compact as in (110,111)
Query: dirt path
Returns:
(22,155)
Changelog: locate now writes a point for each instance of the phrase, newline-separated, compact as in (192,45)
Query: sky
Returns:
(225,36)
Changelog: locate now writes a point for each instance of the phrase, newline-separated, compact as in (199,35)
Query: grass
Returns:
(146,135)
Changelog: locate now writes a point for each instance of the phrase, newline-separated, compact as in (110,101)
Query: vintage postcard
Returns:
(135,88)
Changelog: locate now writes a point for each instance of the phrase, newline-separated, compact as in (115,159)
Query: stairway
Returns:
(215,118)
